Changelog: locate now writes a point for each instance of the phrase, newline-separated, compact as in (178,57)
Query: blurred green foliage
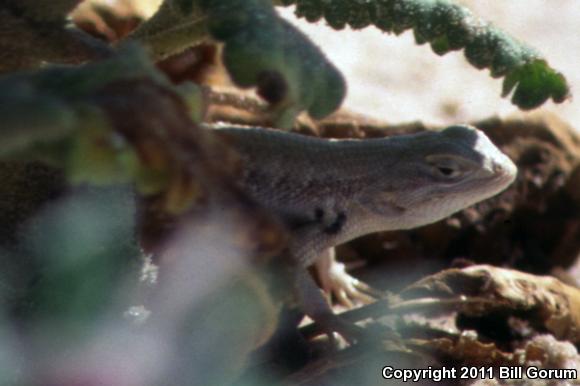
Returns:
(70,129)
(58,96)
(85,247)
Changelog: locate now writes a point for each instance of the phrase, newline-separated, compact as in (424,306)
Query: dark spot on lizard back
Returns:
(318,213)
(337,225)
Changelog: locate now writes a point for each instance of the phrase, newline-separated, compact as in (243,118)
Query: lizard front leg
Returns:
(308,243)
(313,304)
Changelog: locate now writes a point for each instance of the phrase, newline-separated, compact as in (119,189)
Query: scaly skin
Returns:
(331,191)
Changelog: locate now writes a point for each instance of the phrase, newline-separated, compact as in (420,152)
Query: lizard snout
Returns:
(504,168)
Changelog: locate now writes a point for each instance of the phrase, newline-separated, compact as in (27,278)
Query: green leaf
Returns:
(441,45)
(264,51)
(99,156)
(535,83)
(336,13)
(359,15)
(311,10)
(447,26)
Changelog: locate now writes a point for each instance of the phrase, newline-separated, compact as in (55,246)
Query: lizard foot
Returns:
(335,281)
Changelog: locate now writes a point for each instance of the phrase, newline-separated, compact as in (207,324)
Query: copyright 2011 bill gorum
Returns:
(439,374)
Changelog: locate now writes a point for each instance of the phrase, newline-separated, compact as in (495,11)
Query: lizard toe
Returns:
(343,297)
(369,291)
(347,290)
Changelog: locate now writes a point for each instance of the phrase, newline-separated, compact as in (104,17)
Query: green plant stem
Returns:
(173,40)
(172,30)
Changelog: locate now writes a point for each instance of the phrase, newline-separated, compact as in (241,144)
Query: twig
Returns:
(233,107)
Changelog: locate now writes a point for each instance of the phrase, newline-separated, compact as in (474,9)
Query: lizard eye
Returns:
(447,171)
(445,166)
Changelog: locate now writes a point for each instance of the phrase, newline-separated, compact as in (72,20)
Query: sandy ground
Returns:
(392,78)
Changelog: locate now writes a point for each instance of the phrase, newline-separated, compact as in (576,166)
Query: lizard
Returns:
(329,192)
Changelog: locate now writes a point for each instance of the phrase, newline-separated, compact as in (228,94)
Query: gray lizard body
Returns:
(331,191)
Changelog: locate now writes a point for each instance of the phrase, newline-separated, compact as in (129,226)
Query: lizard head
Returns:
(440,173)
